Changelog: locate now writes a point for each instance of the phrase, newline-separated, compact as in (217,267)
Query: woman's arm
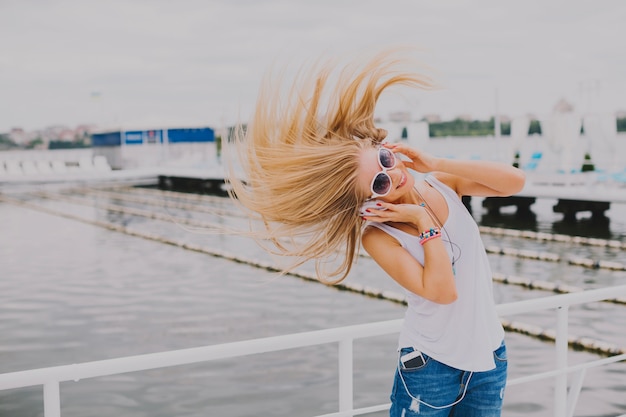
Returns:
(434,281)
(480,178)
(477,178)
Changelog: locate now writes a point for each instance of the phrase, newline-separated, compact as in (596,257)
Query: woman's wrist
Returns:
(438,164)
(428,229)
(424,224)
(429,234)
(422,220)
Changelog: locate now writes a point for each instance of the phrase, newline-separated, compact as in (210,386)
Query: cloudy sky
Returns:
(121,62)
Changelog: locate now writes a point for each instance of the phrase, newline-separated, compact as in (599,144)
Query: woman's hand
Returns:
(400,213)
(418,161)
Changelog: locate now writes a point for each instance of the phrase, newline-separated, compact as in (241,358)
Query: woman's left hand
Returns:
(400,213)
(418,161)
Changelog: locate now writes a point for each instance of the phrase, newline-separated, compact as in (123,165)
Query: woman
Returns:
(322,183)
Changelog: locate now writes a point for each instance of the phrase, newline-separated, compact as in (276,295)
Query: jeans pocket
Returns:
(500,353)
(413,365)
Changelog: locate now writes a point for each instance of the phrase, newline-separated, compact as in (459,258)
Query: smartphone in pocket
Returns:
(412,360)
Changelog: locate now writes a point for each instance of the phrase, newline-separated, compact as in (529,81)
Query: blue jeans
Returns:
(438,390)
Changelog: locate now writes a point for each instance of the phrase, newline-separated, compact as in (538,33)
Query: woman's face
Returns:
(370,167)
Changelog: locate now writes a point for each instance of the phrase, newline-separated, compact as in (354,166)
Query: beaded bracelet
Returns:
(429,234)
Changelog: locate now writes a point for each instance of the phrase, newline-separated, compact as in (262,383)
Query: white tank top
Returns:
(465,333)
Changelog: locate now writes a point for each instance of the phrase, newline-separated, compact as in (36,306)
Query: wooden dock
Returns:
(574,193)
(580,192)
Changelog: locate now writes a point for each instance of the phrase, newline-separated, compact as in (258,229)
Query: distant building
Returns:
(432,118)
(83,131)
(66,135)
(400,116)
(563,106)
(466,117)
(414,133)
(18,135)
(133,147)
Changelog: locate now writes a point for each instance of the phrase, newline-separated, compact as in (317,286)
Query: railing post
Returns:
(51,399)
(346,394)
(561,344)
(574,392)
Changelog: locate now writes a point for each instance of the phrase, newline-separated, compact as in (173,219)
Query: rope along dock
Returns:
(587,344)
(519,253)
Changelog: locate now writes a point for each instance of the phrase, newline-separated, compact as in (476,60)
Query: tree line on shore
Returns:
(456,127)
(461,127)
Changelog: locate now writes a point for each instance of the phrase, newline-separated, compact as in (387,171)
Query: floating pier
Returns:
(572,197)
(568,207)
(189,184)
(493,204)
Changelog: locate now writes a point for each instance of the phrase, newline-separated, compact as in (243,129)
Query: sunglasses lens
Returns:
(387,158)
(381,184)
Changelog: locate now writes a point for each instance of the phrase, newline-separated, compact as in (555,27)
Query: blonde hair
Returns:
(300,160)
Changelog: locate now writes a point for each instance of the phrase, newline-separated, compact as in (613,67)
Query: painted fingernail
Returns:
(378,204)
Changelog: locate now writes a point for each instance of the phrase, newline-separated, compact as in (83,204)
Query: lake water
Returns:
(72,292)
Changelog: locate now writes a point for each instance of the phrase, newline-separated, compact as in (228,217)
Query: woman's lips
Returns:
(402,181)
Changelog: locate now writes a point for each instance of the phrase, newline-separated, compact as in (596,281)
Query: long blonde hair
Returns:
(299,159)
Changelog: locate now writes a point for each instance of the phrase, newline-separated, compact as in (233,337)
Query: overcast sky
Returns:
(200,61)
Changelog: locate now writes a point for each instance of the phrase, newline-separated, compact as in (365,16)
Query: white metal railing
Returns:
(51,377)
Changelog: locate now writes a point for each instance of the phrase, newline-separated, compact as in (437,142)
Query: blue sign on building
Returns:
(203,134)
(106,139)
(140,137)
(133,138)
